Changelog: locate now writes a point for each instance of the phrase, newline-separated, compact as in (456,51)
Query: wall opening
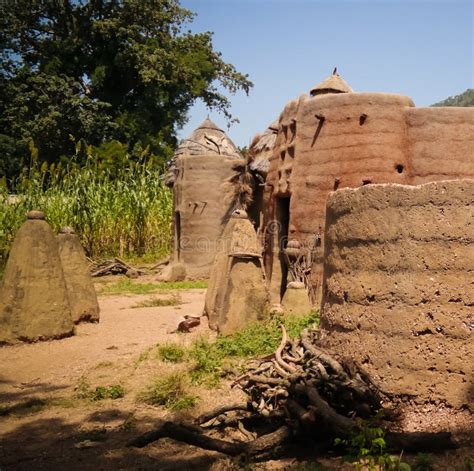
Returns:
(177,234)
(399,168)
(283,222)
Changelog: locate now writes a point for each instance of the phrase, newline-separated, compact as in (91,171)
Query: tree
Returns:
(101,70)
(464,99)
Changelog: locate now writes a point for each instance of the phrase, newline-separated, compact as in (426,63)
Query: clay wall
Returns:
(203,204)
(399,281)
(335,141)
(441,143)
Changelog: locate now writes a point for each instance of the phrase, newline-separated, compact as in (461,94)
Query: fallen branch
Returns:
(299,390)
(189,435)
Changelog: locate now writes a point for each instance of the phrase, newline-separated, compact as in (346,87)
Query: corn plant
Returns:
(124,213)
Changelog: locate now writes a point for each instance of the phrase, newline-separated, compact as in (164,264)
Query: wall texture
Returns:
(203,202)
(350,140)
(399,286)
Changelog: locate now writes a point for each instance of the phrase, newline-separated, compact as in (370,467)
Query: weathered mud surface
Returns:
(81,292)
(34,303)
(399,286)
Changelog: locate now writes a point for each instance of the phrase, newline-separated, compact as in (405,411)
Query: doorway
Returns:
(177,234)
(283,222)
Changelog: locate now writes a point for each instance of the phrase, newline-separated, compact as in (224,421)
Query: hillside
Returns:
(463,99)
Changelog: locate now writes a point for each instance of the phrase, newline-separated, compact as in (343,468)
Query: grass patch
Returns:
(143,356)
(84,391)
(100,393)
(170,391)
(171,353)
(261,338)
(128,286)
(159,302)
(208,358)
(197,284)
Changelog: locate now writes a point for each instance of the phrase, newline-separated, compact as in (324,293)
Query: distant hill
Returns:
(464,99)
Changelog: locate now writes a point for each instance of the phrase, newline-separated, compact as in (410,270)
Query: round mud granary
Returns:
(399,286)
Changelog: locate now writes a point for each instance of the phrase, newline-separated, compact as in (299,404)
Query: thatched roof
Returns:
(206,139)
(261,149)
(332,84)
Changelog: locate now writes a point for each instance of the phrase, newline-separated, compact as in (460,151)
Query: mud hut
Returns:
(335,138)
(398,281)
(81,291)
(34,303)
(201,175)
(237,293)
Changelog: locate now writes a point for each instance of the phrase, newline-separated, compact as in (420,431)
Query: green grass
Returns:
(171,353)
(170,391)
(100,393)
(207,359)
(159,302)
(125,213)
(128,286)
(84,391)
(190,284)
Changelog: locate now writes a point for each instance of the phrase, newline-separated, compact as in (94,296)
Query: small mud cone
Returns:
(237,294)
(33,299)
(81,291)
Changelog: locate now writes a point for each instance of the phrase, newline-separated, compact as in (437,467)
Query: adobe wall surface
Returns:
(204,201)
(399,286)
(237,293)
(441,143)
(34,303)
(345,140)
(80,288)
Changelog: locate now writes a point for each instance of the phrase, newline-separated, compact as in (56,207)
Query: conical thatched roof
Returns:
(332,84)
(261,149)
(206,139)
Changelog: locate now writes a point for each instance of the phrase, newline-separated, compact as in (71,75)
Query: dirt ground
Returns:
(57,431)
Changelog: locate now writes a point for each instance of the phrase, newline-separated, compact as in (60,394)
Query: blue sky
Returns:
(419,48)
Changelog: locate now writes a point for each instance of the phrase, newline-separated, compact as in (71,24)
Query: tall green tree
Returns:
(102,70)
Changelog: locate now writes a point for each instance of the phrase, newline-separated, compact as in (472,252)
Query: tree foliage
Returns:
(463,99)
(101,70)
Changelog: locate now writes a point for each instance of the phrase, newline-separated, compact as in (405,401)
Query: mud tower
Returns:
(399,286)
(334,138)
(204,197)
